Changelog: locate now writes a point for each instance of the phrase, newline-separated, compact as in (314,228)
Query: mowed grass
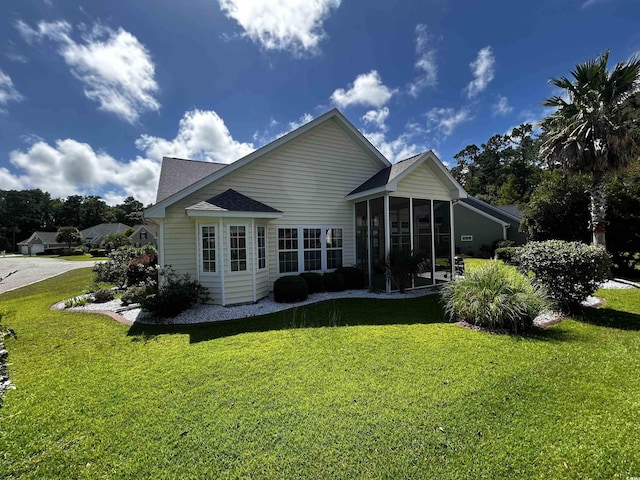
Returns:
(390,392)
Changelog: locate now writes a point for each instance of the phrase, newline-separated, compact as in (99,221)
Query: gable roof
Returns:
(232,202)
(489,209)
(47,238)
(178,173)
(103,229)
(512,210)
(152,228)
(387,179)
(158,209)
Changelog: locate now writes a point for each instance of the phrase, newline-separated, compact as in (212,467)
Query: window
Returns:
(143,235)
(261,239)
(466,238)
(320,249)
(238,248)
(208,235)
(288,249)
(334,247)
(312,249)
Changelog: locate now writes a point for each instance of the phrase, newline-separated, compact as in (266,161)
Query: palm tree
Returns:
(597,130)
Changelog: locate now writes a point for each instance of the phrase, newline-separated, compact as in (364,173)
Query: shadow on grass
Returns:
(607,317)
(335,313)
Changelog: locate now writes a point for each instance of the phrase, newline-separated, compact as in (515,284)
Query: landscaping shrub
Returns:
(401,266)
(507,254)
(114,270)
(496,297)
(503,244)
(176,294)
(137,293)
(103,295)
(142,268)
(570,271)
(313,281)
(97,252)
(333,282)
(290,289)
(354,277)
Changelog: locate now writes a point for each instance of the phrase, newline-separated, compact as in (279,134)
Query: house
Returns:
(318,198)
(38,242)
(95,236)
(479,224)
(144,235)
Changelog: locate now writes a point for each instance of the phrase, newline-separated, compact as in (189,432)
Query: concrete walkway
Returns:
(34,269)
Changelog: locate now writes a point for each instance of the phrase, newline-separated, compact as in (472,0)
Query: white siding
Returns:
(423,182)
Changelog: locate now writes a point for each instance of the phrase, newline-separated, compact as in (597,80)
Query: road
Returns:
(33,269)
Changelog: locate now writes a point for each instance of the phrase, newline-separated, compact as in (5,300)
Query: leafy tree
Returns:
(114,241)
(68,235)
(71,211)
(93,211)
(22,212)
(597,130)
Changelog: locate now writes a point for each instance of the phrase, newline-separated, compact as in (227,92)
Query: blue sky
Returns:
(93,94)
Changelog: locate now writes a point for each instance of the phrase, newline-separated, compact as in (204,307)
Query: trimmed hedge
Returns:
(176,294)
(333,281)
(313,281)
(290,289)
(354,277)
(570,271)
(508,255)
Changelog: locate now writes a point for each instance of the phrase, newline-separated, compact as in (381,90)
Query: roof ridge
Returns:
(192,160)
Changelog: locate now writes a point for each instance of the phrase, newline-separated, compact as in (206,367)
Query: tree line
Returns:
(23,212)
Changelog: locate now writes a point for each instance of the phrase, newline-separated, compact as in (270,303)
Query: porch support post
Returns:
(453,241)
(220,248)
(368,250)
(433,245)
(387,238)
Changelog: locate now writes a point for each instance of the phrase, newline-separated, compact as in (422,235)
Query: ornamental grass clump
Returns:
(496,297)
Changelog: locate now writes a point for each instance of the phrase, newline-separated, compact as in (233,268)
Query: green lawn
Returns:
(392,392)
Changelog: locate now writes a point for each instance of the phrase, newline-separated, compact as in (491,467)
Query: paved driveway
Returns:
(33,269)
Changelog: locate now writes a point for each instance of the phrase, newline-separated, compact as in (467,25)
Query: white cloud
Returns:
(445,120)
(502,107)
(71,167)
(377,118)
(590,3)
(202,135)
(293,25)
(8,92)
(394,150)
(426,62)
(483,72)
(115,69)
(367,90)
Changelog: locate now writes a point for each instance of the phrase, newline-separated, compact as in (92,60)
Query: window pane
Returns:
(208,252)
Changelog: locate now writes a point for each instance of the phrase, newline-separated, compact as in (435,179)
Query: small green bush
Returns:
(313,281)
(290,289)
(333,282)
(176,294)
(496,297)
(114,270)
(503,244)
(570,271)
(507,254)
(137,293)
(354,277)
(103,295)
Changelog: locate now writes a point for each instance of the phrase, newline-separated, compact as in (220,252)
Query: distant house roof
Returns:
(512,210)
(232,201)
(102,229)
(150,227)
(490,209)
(45,238)
(178,173)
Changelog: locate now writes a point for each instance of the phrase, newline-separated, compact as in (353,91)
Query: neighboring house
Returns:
(144,235)
(95,236)
(38,242)
(479,224)
(315,199)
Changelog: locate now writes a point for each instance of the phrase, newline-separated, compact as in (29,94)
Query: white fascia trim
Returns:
(460,191)
(217,214)
(158,210)
(390,187)
(484,214)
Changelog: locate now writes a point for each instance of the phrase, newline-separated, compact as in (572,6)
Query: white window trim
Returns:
(216,247)
(246,248)
(301,250)
(466,238)
(266,249)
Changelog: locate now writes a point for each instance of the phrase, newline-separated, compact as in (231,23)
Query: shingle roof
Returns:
(511,210)
(178,173)
(386,175)
(47,238)
(103,229)
(487,208)
(232,201)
